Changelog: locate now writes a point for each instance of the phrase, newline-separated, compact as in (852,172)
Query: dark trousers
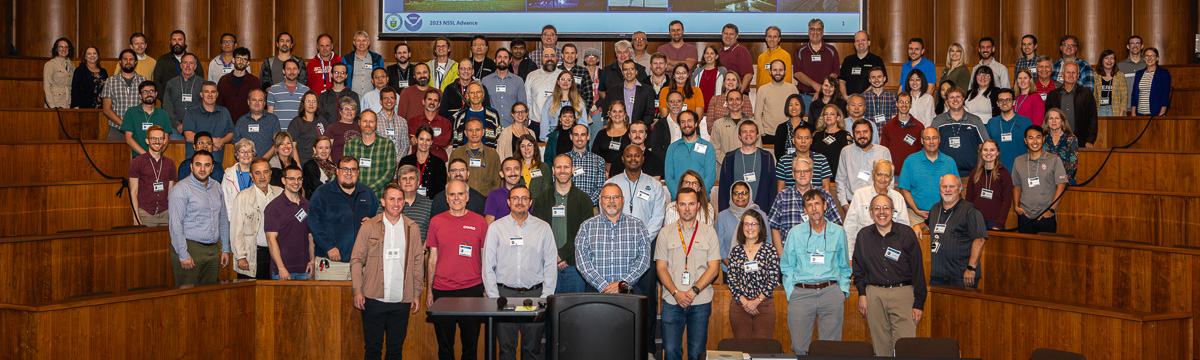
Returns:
(530,333)
(263,270)
(380,319)
(468,329)
(1049,224)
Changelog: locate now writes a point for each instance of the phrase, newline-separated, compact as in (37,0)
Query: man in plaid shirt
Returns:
(583,79)
(612,247)
(589,168)
(881,104)
(788,209)
(376,154)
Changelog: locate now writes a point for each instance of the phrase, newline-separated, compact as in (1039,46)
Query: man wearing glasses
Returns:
(334,93)
(475,201)
(224,62)
(203,142)
(139,119)
(1069,48)
(957,237)
(520,259)
(181,94)
(151,176)
(788,209)
(336,211)
(815,62)
(890,277)
(233,89)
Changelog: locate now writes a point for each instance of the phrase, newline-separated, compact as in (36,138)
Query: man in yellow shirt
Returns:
(774,52)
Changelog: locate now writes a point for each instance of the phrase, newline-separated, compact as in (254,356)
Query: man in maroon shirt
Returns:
(233,89)
(151,176)
(815,61)
(412,99)
(678,51)
(442,128)
(734,56)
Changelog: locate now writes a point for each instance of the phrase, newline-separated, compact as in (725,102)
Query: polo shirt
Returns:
(261,132)
(737,59)
(1049,171)
(148,172)
(123,92)
(216,122)
(963,223)
(460,256)
(902,139)
(290,221)
(1009,135)
(921,177)
(817,65)
(136,121)
(961,138)
(855,71)
(925,66)
(497,203)
(286,103)
(764,65)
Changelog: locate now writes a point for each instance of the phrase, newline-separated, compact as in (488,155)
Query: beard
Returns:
(149,100)
(863,143)
(346,186)
(612,211)
(423,81)
(178,49)
(688,131)
(777,78)
(501,65)
(548,65)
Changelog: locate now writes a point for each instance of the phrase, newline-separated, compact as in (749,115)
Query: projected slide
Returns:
(606,17)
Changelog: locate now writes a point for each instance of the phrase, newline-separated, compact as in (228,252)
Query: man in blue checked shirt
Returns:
(816,275)
(788,209)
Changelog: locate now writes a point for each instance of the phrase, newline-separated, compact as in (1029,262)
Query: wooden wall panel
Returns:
(1160,22)
(42,124)
(1100,25)
(964,22)
(23,92)
(305,20)
(1156,170)
(1184,102)
(1168,133)
(47,208)
(1043,19)
(249,20)
(63,161)
(109,33)
(190,16)
(37,23)
(1140,216)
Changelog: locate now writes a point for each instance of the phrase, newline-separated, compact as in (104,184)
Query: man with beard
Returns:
(204,142)
(332,95)
(199,228)
(987,48)
(475,201)
(247,238)
(614,74)
(690,153)
(497,201)
(362,63)
(336,211)
(122,92)
(320,68)
(400,74)
(376,154)
(772,101)
(233,89)
(443,70)
(151,177)
(686,270)
(539,86)
(442,129)
(482,65)
(857,164)
(283,98)
(168,65)
(271,72)
(649,162)
(504,87)
(565,208)
(521,65)
(890,277)
(210,118)
(223,63)
(483,161)
(411,102)
(959,233)
(139,119)
(182,93)
(678,51)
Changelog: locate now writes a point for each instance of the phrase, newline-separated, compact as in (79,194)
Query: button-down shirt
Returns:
(394,128)
(592,177)
(520,256)
(606,252)
(1085,73)
(873,267)
(999,73)
(645,199)
(821,169)
(1023,63)
(880,107)
(803,245)
(180,96)
(199,215)
(788,210)
(857,167)
(382,155)
(688,249)
(504,92)
(124,94)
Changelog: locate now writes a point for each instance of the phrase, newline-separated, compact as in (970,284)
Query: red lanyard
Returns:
(421,170)
(687,248)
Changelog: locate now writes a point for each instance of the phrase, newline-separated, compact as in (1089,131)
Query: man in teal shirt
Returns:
(690,153)
(921,173)
(816,275)
(137,119)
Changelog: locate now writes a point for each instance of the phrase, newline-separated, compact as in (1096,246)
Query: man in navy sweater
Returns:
(336,211)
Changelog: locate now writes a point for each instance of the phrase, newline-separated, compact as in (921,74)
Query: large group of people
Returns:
(347,168)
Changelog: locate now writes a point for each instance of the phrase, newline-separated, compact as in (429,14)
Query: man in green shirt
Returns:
(565,207)
(376,154)
(138,119)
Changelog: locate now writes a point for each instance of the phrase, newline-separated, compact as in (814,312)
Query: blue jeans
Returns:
(593,129)
(176,136)
(1105,110)
(295,276)
(808,98)
(674,319)
(569,281)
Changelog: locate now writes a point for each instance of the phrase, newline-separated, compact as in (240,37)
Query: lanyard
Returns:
(633,189)
(687,248)
(421,170)
(325,68)
(157,168)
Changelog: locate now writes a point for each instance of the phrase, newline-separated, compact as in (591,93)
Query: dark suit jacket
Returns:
(1085,112)
(643,102)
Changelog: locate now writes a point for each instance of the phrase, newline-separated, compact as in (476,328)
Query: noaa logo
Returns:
(392,22)
(413,22)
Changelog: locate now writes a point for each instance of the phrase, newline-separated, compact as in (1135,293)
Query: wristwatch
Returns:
(696,290)
(971,268)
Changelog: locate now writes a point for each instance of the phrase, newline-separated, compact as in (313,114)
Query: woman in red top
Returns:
(989,186)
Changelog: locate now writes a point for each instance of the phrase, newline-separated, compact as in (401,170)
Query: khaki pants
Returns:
(915,220)
(336,271)
(156,220)
(207,258)
(890,317)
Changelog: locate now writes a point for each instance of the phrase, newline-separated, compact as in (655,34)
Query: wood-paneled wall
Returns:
(1156,218)
(1100,24)
(1151,170)
(1166,133)
(49,161)
(42,124)
(47,208)
(48,268)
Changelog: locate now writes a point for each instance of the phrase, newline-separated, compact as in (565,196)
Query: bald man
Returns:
(958,233)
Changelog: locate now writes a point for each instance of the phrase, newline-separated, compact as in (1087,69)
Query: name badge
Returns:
(803,217)
(1034,182)
(855,71)
(187,98)
(464,250)
(364,162)
(644,194)
(986,194)
(423,191)
(535,173)
(700,148)
(864,175)
(1006,137)
(475,163)
(437,132)
(301,215)
(501,88)
(909,139)
(320,129)
(767,66)
(159,187)
(791,151)
(750,177)
(578,171)
(1043,97)
(367,66)
(146,126)
(816,258)
(254,128)
(391,254)
(750,267)
(516,241)
(402,84)
(490,133)
(829,139)
(892,254)
(656,103)
(548,93)
(559,211)
(955,142)
(815,58)
(879,119)
(939,229)
(226,70)
(686,279)
(389,132)
(631,99)
(1105,101)
(578,80)
(684,107)
(614,145)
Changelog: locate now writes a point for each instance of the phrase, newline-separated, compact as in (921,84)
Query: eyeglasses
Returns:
(293,178)
(613,197)
(156,138)
(230,42)
(1004,100)
(519,198)
(903,102)
(251,152)
(335,72)
(743,192)
(149,91)
(349,169)
(349,109)
(750,224)
(458,171)
(884,208)
(204,143)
